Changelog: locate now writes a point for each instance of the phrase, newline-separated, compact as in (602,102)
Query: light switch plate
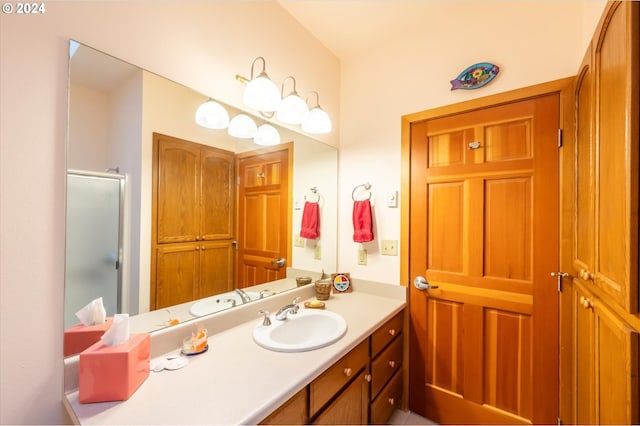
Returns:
(298,241)
(389,247)
(362,257)
(317,252)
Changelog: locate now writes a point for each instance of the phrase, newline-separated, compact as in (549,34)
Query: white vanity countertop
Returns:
(236,381)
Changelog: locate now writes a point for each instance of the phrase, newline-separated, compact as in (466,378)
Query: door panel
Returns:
(216,219)
(264,213)
(484,229)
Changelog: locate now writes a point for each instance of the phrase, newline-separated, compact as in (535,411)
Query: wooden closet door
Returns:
(217,195)
(178,191)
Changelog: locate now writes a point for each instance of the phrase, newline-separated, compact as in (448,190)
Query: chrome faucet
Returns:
(244,296)
(292,308)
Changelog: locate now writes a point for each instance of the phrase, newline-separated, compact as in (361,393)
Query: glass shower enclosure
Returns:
(95,206)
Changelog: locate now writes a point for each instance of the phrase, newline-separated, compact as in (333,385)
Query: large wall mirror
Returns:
(115,108)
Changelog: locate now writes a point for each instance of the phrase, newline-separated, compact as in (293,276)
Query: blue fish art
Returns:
(475,76)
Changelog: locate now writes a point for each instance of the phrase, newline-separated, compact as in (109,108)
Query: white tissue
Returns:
(93,313)
(118,333)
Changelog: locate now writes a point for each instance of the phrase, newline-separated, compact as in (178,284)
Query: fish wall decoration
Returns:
(475,76)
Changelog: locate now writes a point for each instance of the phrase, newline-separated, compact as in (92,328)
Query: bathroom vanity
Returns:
(238,382)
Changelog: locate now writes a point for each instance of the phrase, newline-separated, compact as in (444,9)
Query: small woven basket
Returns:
(323,289)
(303,281)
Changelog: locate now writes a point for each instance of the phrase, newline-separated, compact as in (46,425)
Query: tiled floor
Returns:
(400,417)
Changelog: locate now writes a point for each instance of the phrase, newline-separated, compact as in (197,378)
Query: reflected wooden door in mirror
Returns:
(264,218)
(192,221)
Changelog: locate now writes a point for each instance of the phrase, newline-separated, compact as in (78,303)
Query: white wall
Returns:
(410,72)
(200,44)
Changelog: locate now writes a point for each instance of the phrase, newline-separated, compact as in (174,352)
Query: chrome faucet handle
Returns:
(266,320)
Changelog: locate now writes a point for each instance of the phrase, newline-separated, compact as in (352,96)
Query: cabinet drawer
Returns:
(385,365)
(389,399)
(382,336)
(327,385)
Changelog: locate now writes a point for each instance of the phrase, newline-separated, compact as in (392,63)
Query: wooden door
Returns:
(217,195)
(264,215)
(605,354)
(178,189)
(177,274)
(607,158)
(484,228)
(216,268)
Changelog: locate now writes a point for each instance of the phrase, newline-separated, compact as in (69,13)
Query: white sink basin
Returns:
(219,302)
(307,330)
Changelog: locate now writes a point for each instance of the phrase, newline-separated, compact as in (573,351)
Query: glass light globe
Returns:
(317,122)
(292,110)
(242,126)
(267,135)
(212,115)
(262,94)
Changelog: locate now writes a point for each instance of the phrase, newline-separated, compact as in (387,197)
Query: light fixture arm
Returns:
(317,99)
(263,73)
(293,91)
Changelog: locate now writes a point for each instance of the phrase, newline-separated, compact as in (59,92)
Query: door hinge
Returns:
(559,421)
(559,138)
(559,276)
(234,244)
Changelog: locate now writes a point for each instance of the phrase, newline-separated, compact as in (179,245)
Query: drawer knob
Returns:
(392,364)
(392,331)
(348,372)
(391,401)
(367,377)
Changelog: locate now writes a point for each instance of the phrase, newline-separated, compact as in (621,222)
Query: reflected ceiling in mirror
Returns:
(114,108)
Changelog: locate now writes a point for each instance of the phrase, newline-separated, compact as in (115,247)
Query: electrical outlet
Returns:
(362,257)
(298,241)
(317,252)
(389,247)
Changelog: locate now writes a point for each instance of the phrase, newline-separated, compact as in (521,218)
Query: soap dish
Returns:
(314,304)
(191,353)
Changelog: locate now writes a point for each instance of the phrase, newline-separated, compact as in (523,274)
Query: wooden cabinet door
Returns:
(292,412)
(607,158)
(177,274)
(217,195)
(350,407)
(178,190)
(216,268)
(606,363)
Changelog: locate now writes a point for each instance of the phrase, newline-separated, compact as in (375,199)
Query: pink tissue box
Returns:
(114,373)
(80,337)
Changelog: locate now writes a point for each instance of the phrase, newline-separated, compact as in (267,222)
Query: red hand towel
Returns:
(362,222)
(310,221)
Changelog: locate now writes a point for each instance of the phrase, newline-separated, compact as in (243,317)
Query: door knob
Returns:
(421,283)
(279,262)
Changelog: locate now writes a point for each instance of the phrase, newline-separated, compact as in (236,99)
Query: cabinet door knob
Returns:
(586,275)
(392,331)
(392,364)
(392,401)
(348,372)
(367,377)
(585,302)
(197,248)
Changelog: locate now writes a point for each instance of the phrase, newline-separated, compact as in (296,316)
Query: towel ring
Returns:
(366,186)
(314,190)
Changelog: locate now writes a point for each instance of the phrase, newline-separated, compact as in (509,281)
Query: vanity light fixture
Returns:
(292,110)
(267,135)
(212,115)
(242,126)
(317,121)
(261,93)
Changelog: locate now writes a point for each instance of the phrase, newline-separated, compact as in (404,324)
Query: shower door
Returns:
(93,246)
